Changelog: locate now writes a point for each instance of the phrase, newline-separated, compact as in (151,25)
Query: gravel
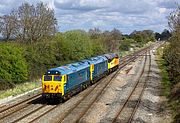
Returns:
(152,109)
(109,103)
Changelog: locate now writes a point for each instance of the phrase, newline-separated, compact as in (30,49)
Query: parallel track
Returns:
(84,96)
(140,97)
(7,111)
(81,108)
(129,113)
(77,103)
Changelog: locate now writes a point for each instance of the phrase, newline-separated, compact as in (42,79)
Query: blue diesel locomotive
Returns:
(62,82)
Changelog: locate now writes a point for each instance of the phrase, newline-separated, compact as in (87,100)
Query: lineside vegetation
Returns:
(171,65)
(31,43)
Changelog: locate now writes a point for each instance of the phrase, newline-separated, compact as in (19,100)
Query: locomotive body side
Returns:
(99,66)
(72,78)
(65,81)
(78,79)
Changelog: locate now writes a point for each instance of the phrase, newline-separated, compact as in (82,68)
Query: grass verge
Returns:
(173,104)
(162,64)
(19,89)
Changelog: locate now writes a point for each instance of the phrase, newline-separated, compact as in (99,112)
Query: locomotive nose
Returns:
(46,88)
(51,87)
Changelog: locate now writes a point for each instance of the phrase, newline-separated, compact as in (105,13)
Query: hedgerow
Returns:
(13,65)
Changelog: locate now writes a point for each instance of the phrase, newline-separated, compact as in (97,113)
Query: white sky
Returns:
(125,15)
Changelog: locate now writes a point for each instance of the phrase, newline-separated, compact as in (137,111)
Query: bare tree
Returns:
(94,33)
(8,25)
(112,39)
(35,22)
(29,23)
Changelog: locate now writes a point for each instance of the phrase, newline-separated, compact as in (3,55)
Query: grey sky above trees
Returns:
(125,15)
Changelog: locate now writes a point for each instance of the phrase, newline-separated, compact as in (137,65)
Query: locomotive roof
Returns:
(69,68)
(96,60)
(110,55)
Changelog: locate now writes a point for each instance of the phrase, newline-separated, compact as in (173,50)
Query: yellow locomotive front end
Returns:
(53,86)
(113,61)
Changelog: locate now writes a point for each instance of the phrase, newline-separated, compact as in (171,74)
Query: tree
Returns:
(142,37)
(94,33)
(165,35)
(35,22)
(111,39)
(29,23)
(157,36)
(172,53)
(13,66)
(8,25)
(116,34)
(125,44)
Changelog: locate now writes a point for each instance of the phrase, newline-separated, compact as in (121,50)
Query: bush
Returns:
(22,62)
(40,56)
(125,45)
(13,66)
(79,46)
(75,45)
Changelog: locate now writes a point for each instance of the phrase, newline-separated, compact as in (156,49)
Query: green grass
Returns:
(163,71)
(174,105)
(19,89)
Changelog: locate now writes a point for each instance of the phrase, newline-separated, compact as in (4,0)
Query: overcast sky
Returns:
(125,15)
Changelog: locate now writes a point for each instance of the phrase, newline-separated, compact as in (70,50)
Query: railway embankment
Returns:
(172,92)
(133,93)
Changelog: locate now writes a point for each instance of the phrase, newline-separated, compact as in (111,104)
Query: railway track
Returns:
(75,106)
(128,109)
(85,97)
(76,113)
(8,110)
(84,104)
(2,106)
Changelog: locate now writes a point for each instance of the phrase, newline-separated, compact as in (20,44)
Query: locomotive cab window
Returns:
(57,78)
(47,78)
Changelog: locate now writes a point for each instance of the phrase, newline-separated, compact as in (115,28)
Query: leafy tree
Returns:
(172,53)
(142,37)
(13,66)
(172,57)
(165,35)
(79,43)
(40,57)
(125,44)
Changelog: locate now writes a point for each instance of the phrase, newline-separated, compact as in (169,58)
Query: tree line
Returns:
(172,58)
(32,43)
(172,51)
